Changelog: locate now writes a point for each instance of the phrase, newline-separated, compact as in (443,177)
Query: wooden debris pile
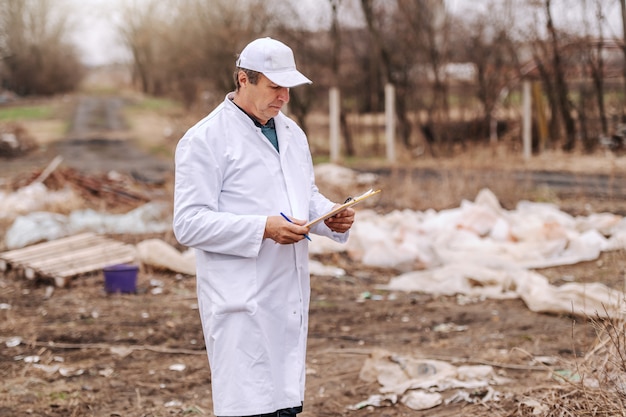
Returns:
(104,192)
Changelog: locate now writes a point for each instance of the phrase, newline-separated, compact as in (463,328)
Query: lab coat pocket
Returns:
(234,285)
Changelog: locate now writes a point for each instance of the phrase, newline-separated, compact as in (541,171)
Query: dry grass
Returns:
(594,385)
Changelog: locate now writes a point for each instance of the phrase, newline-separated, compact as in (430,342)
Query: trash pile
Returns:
(418,383)
(484,251)
(111,191)
(15,140)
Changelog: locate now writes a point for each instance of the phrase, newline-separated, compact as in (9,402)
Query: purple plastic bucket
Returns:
(120,278)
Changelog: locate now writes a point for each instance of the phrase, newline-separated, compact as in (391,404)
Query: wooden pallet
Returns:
(65,258)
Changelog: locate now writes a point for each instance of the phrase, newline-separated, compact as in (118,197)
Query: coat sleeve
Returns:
(197,222)
(318,206)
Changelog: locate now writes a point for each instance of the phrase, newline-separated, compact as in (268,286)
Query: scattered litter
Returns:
(376,400)
(161,255)
(449,328)
(156,282)
(420,400)
(178,367)
(489,394)
(539,409)
(566,375)
(48,369)
(419,382)
(67,372)
(544,360)
(13,341)
(156,286)
(319,269)
(366,295)
(121,351)
(173,403)
(49,292)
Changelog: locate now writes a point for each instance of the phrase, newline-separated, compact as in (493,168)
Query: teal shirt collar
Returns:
(268,129)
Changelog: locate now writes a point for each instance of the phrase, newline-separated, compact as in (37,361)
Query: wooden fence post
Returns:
(334,124)
(527,120)
(390,122)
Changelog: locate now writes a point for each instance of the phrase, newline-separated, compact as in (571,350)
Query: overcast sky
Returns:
(97,39)
(95,35)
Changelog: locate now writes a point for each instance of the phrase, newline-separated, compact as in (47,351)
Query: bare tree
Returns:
(408,35)
(623,9)
(488,43)
(37,56)
(548,56)
(184,49)
(592,48)
(138,30)
(561,89)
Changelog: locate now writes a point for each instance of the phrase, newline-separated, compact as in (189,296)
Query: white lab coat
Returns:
(253,293)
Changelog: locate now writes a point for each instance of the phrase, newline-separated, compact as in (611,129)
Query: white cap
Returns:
(273,59)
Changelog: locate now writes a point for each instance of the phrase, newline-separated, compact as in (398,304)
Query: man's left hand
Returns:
(342,221)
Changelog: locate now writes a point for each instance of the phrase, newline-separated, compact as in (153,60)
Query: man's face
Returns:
(264,99)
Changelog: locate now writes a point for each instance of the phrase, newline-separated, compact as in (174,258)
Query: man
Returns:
(237,171)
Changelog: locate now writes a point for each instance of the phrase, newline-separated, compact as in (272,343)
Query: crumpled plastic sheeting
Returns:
(587,300)
(159,254)
(342,180)
(34,197)
(319,269)
(36,227)
(41,226)
(418,382)
(534,235)
(482,250)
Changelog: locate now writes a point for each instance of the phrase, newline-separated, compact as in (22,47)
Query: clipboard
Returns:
(350,203)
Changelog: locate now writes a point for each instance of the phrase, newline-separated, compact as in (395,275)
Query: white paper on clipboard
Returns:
(352,202)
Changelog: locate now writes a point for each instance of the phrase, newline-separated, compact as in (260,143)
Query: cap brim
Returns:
(287,78)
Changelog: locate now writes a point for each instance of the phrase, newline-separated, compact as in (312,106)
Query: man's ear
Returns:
(242,77)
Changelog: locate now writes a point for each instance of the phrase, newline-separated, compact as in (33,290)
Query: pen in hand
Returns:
(289,220)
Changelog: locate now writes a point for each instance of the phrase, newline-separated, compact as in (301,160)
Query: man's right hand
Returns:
(281,231)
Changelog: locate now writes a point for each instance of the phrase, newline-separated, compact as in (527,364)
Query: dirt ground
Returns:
(83,352)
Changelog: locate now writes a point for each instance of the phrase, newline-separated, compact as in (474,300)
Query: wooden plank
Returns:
(81,255)
(90,264)
(96,266)
(50,248)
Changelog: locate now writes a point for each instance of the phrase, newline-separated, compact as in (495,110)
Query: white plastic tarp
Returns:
(42,226)
(482,250)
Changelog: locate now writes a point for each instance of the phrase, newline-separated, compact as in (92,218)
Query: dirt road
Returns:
(98,141)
